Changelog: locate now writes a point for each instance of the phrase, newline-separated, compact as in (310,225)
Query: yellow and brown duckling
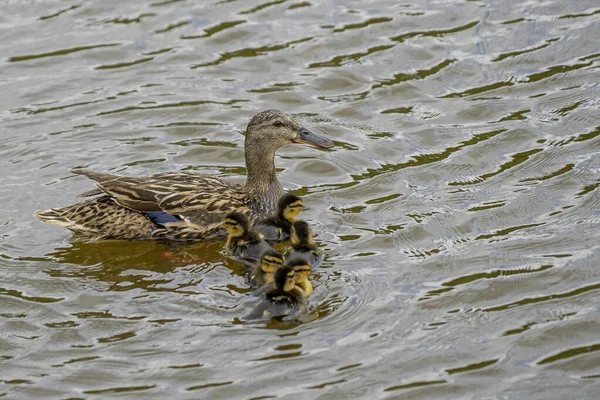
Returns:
(302,269)
(183,205)
(276,227)
(303,245)
(243,241)
(263,271)
(282,300)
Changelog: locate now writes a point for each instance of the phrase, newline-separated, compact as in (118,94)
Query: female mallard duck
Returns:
(276,227)
(242,241)
(182,205)
(284,299)
(263,271)
(303,245)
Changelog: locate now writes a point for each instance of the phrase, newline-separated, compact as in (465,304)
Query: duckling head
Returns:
(289,206)
(301,267)
(237,224)
(272,129)
(285,278)
(270,260)
(301,234)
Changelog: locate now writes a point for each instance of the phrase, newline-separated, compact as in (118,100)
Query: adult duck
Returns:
(182,205)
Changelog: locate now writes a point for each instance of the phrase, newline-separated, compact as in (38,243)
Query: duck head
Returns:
(274,129)
(289,206)
(237,224)
(270,261)
(301,268)
(285,278)
(268,131)
(301,234)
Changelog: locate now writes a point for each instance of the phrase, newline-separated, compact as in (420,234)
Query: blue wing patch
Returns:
(160,217)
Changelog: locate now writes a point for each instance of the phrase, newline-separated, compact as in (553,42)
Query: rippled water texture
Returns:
(459,209)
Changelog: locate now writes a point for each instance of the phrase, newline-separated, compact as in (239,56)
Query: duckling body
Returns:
(282,300)
(182,205)
(302,269)
(306,286)
(263,271)
(276,227)
(303,245)
(242,241)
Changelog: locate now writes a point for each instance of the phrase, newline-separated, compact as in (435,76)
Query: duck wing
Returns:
(314,257)
(253,246)
(271,231)
(201,199)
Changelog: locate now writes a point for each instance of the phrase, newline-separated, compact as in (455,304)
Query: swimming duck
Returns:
(276,227)
(263,271)
(302,269)
(303,245)
(183,205)
(241,240)
(284,299)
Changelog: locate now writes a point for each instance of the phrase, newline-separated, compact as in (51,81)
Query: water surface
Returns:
(459,210)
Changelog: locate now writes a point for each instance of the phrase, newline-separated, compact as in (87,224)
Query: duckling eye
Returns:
(278,124)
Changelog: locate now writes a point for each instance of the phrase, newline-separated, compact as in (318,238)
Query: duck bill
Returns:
(304,136)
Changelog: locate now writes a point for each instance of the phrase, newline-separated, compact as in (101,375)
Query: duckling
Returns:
(302,269)
(263,271)
(276,227)
(243,241)
(284,299)
(303,245)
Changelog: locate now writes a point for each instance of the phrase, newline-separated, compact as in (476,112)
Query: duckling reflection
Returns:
(276,227)
(303,245)
(263,271)
(243,241)
(282,300)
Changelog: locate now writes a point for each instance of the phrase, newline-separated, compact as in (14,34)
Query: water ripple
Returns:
(61,52)
(458,210)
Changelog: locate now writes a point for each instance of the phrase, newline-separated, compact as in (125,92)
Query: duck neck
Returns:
(262,180)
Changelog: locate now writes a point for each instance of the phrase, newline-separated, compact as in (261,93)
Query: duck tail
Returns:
(90,193)
(100,218)
(96,176)
(64,217)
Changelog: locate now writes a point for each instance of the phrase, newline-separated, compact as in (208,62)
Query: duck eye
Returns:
(278,124)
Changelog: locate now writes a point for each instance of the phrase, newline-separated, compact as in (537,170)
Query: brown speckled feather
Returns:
(195,204)
(189,195)
(95,219)
(202,201)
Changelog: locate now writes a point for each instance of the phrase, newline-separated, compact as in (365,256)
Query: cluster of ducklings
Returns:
(281,279)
